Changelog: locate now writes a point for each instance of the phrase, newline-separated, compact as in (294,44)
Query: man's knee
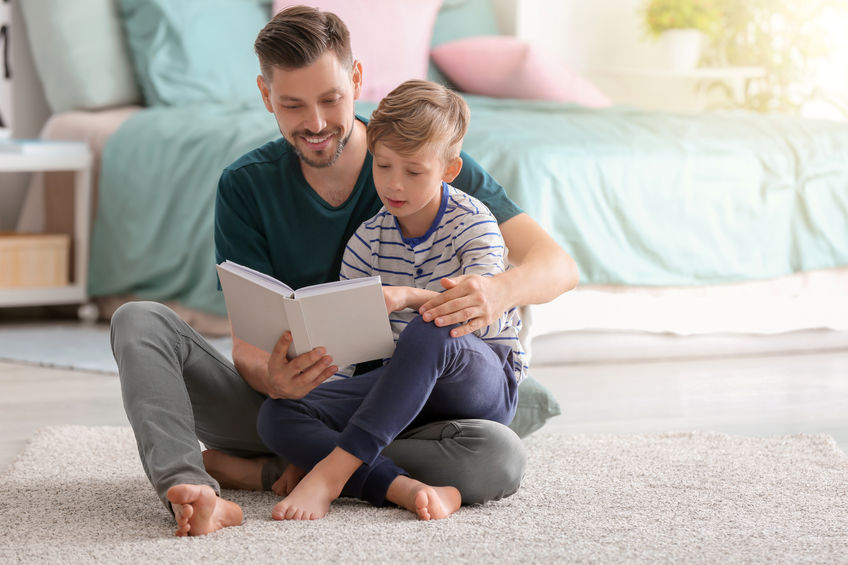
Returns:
(141,325)
(483,459)
(495,470)
(133,317)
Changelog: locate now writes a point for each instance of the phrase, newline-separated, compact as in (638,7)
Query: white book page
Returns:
(333,286)
(261,279)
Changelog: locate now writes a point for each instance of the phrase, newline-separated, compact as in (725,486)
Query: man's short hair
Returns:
(298,36)
(419,113)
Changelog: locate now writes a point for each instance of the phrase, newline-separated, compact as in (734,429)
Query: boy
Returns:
(427,231)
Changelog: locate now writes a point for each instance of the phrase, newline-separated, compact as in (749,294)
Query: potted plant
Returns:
(681,26)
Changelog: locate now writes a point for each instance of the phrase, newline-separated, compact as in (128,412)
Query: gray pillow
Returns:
(79,51)
(535,405)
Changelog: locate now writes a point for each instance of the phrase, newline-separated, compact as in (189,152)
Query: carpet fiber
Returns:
(78,495)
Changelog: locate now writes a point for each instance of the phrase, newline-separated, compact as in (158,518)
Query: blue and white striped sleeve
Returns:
(356,260)
(479,246)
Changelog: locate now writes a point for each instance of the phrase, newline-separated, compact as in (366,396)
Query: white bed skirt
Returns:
(601,323)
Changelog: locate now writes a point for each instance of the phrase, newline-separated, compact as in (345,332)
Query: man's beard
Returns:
(329,162)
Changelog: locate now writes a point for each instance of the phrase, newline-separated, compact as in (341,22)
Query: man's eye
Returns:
(332,101)
(290,107)
(414,173)
(379,166)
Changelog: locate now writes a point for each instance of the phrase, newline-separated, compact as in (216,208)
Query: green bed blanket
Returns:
(637,198)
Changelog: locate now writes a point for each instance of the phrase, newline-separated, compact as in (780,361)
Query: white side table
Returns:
(40,156)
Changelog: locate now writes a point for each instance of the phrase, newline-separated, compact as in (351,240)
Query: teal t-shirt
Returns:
(268,218)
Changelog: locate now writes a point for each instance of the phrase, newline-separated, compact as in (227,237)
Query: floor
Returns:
(754,395)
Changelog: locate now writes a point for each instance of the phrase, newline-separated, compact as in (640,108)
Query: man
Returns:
(314,185)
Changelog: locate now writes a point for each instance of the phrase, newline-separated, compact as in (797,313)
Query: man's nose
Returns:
(315,122)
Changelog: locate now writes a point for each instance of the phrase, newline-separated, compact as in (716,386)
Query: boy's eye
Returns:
(331,100)
(291,106)
(381,166)
(414,173)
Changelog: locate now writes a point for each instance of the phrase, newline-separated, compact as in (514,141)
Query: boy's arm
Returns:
(542,271)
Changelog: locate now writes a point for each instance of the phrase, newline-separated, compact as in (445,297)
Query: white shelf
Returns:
(41,156)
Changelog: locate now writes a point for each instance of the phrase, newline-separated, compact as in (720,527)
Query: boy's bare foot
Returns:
(429,503)
(234,472)
(309,500)
(199,511)
(312,496)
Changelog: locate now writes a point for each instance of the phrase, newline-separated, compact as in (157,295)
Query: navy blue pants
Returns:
(430,377)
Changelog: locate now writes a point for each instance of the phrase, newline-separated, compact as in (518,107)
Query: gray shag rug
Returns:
(78,495)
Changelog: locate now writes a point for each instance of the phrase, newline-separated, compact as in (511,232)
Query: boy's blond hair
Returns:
(416,114)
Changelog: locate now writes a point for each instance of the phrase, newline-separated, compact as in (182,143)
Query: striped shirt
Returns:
(463,239)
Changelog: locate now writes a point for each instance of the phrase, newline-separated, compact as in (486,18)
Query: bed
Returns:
(686,224)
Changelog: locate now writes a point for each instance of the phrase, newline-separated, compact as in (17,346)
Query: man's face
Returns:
(313,106)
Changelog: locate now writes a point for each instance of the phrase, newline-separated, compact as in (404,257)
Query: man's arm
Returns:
(542,271)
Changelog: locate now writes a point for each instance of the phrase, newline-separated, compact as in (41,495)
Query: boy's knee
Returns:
(420,332)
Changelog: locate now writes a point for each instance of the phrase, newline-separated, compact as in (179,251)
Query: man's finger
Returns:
(282,346)
(454,311)
(464,329)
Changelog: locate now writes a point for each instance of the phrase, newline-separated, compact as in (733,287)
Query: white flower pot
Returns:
(682,48)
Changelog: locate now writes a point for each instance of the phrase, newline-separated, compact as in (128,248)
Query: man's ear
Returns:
(452,169)
(357,79)
(266,92)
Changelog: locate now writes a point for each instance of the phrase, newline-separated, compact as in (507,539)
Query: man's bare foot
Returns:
(234,472)
(429,503)
(199,511)
(288,480)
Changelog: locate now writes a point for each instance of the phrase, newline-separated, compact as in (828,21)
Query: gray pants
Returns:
(178,389)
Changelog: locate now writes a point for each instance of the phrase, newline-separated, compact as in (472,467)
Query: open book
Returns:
(348,318)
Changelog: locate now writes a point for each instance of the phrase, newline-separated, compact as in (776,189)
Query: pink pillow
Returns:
(506,67)
(391,39)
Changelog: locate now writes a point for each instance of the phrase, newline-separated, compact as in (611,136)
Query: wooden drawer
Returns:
(34,260)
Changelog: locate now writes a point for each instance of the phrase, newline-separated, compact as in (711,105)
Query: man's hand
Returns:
(470,300)
(297,377)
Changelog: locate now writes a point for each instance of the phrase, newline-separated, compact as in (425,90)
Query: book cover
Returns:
(348,318)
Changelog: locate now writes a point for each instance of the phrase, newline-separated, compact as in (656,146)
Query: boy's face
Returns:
(410,186)
(313,106)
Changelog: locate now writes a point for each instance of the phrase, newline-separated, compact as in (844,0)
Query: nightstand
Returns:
(40,156)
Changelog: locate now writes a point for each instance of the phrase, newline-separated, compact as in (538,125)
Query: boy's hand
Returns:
(297,377)
(395,297)
(470,300)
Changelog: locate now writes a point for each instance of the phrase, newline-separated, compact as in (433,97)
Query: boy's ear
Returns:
(452,169)
(266,93)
